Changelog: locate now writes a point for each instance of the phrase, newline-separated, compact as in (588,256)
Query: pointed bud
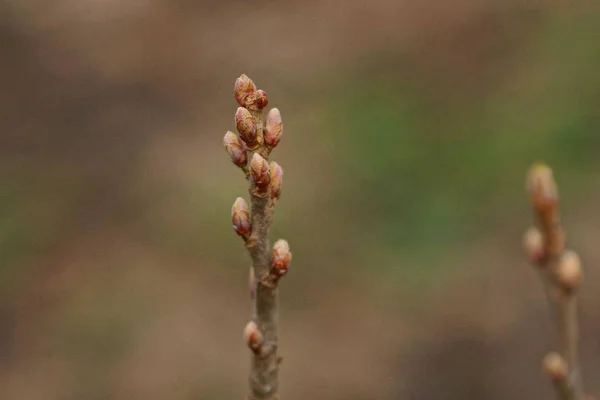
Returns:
(259,172)
(236,149)
(276,179)
(246,126)
(282,257)
(273,128)
(542,188)
(253,337)
(240,217)
(242,88)
(555,366)
(252,283)
(533,244)
(569,274)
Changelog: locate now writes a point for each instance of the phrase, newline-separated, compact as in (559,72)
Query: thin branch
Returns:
(560,272)
(249,150)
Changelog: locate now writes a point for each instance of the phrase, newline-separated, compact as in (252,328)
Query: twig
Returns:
(560,271)
(249,150)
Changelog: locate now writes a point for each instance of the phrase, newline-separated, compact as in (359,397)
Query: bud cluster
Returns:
(253,136)
(250,147)
(547,243)
(247,95)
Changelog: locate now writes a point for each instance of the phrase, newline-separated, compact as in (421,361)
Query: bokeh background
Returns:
(409,127)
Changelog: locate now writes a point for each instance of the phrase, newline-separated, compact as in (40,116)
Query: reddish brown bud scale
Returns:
(276,179)
(273,128)
(246,126)
(282,257)
(242,88)
(253,337)
(236,149)
(259,173)
(240,217)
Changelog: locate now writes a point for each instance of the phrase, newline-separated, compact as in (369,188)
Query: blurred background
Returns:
(409,127)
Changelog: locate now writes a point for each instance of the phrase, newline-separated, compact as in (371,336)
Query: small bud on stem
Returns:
(282,257)
(533,244)
(569,274)
(236,149)
(273,128)
(555,366)
(246,126)
(259,173)
(543,193)
(253,337)
(276,173)
(240,217)
(541,186)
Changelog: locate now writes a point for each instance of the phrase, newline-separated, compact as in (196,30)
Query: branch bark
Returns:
(264,383)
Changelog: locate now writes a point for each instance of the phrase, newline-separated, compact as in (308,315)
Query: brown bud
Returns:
(240,217)
(236,149)
(246,126)
(533,244)
(542,188)
(569,273)
(252,283)
(273,128)
(555,366)
(282,257)
(242,88)
(253,337)
(276,179)
(261,99)
(259,173)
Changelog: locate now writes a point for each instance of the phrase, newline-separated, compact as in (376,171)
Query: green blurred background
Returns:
(408,132)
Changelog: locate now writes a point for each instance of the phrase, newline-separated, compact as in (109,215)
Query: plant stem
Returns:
(265,368)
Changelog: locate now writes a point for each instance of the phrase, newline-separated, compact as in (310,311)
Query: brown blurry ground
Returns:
(121,278)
